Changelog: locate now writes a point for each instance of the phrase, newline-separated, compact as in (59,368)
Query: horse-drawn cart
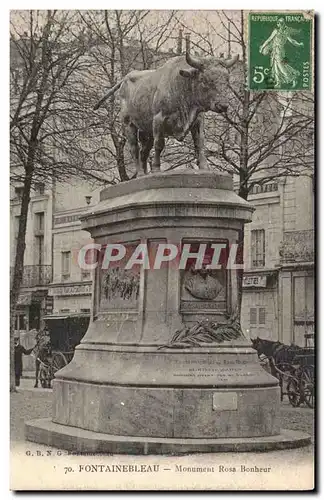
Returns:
(294,367)
(297,379)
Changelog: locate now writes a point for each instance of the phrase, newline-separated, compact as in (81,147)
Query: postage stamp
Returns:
(280,51)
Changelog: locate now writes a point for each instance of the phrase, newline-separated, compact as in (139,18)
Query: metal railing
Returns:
(297,246)
(37,275)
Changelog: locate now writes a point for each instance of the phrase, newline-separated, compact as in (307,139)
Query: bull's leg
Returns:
(159,141)
(146,142)
(193,115)
(131,134)
(198,137)
(37,363)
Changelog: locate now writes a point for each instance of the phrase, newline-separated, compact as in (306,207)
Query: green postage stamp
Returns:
(280,50)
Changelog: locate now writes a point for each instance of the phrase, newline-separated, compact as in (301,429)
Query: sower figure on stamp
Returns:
(19,351)
(282,72)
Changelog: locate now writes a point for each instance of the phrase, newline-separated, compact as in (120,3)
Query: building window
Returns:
(19,192)
(39,241)
(264,188)
(85,275)
(257,316)
(262,316)
(20,322)
(39,222)
(39,250)
(66,265)
(89,258)
(40,188)
(253,316)
(258,247)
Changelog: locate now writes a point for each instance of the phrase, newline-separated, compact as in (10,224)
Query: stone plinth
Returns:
(128,383)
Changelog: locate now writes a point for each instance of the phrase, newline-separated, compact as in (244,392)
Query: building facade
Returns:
(278,284)
(33,302)
(71,286)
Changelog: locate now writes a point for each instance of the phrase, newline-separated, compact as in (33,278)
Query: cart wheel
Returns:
(58,361)
(307,385)
(293,393)
(43,376)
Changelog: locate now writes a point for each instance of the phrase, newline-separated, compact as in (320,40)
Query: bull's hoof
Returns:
(205,166)
(140,174)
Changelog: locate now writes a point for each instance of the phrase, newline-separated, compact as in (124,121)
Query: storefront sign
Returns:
(70,290)
(67,219)
(24,299)
(250,281)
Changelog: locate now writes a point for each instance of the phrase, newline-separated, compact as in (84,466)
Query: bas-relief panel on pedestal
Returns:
(204,288)
(119,287)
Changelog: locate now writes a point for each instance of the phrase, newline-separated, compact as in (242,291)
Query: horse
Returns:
(42,353)
(280,353)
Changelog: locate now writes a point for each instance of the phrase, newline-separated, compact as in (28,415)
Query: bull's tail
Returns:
(109,93)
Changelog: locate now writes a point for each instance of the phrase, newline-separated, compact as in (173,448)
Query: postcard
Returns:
(162,323)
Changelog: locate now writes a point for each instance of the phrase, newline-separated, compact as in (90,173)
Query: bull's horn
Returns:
(194,62)
(229,63)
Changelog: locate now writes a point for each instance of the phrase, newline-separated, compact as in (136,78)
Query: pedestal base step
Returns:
(44,431)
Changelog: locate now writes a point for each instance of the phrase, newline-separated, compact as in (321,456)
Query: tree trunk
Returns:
(19,263)
(244,159)
(243,192)
(243,189)
(120,159)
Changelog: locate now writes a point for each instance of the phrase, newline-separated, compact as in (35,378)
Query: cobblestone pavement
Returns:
(30,403)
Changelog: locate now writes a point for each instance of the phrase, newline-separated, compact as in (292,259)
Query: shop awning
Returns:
(66,316)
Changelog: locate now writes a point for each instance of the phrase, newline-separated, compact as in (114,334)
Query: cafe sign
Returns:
(254,281)
(70,290)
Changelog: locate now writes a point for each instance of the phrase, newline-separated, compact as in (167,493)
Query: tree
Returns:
(48,58)
(264,135)
(125,40)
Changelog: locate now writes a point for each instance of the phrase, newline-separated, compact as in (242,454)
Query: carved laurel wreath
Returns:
(205,332)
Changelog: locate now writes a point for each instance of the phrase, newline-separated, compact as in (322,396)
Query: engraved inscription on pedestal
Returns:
(224,401)
(206,369)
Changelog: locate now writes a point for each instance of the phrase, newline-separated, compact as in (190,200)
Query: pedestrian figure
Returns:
(43,351)
(19,351)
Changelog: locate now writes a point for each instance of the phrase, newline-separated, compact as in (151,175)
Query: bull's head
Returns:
(211,80)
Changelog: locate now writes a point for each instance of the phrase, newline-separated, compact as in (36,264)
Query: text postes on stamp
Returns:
(280,51)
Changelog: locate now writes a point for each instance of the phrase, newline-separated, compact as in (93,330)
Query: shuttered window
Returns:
(253,316)
(262,316)
(257,316)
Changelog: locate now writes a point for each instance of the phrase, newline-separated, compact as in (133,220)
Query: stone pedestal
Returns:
(129,389)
